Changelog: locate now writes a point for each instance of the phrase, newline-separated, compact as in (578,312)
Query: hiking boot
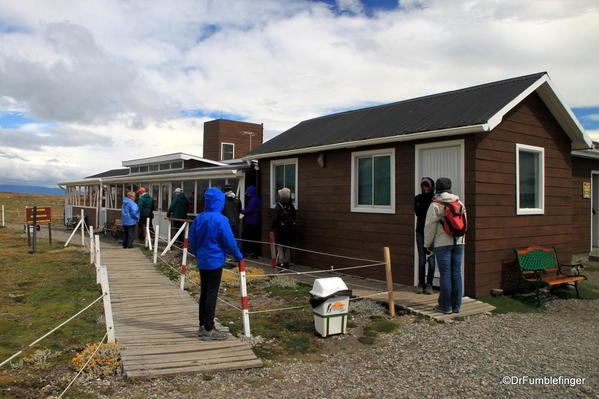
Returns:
(428,290)
(202,331)
(214,335)
(441,310)
(420,290)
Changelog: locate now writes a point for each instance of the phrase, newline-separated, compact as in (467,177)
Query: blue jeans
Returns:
(422,276)
(128,235)
(449,259)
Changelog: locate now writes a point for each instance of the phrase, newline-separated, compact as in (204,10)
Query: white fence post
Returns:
(82,228)
(92,251)
(107,304)
(73,233)
(98,258)
(156,233)
(168,237)
(148,242)
(245,304)
(3,223)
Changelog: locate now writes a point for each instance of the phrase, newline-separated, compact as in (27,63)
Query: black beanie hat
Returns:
(443,185)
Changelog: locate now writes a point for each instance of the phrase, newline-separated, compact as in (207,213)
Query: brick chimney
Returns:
(225,139)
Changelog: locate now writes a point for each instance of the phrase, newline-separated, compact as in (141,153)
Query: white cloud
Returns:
(123,70)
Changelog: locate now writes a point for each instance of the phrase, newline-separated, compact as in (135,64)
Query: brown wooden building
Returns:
(512,148)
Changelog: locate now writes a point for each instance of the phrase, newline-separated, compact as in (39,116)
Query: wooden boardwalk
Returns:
(156,323)
(405,296)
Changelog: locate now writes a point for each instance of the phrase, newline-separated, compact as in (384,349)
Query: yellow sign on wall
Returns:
(586,189)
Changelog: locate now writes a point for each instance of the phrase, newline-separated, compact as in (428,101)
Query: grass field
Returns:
(14,206)
(38,292)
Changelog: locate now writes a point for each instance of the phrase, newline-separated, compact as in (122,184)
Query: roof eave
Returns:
(374,141)
(558,108)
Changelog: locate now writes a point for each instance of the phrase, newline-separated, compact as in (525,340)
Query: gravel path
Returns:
(421,359)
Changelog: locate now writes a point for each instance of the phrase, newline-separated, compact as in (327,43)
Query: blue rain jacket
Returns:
(129,212)
(253,209)
(210,236)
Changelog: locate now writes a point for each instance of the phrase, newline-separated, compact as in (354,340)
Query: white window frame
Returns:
(390,209)
(222,150)
(273,194)
(541,183)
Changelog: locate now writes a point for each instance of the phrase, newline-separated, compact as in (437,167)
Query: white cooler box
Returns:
(330,303)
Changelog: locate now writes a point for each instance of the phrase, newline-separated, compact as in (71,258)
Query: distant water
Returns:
(14,188)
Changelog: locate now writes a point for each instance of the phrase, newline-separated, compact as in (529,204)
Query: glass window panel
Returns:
(119,195)
(153,167)
(165,166)
(234,183)
(134,169)
(529,179)
(279,177)
(290,179)
(227,151)
(202,186)
(165,197)
(218,183)
(176,165)
(382,180)
(155,194)
(143,168)
(365,181)
(189,190)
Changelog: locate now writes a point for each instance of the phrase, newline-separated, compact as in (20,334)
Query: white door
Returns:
(434,160)
(595,211)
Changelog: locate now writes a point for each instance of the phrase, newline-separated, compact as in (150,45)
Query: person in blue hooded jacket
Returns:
(251,222)
(129,219)
(210,239)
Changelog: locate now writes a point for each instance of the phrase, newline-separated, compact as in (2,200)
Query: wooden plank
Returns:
(186,356)
(234,365)
(198,346)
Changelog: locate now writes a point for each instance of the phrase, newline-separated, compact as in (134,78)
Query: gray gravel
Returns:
(466,359)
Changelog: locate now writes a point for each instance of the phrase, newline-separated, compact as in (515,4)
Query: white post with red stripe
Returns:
(184,259)
(245,304)
(82,228)
(273,250)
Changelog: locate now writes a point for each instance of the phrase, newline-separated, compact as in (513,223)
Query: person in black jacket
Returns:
(283,225)
(232,210)
(421,203)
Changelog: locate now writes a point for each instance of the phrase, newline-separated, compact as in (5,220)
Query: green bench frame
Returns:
(540,268)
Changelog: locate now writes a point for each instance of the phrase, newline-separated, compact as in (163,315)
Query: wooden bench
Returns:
(114,229)
(540,268)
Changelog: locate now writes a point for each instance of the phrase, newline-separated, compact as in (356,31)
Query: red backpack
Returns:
(454,223)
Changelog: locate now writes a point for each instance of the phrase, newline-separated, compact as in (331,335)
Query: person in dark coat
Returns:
(146,210)
(178,210)
(232,210)
(421,203)
(251,222)
(283,226)
(129,218)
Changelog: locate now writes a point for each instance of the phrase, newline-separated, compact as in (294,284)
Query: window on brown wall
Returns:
(227,151)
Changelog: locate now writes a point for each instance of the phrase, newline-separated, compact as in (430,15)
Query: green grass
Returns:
(14,206)
(51,286)
(587,290)
(302,291)
(509,304)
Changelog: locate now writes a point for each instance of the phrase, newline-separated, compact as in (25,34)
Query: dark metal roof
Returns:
(111,173)
(465,107)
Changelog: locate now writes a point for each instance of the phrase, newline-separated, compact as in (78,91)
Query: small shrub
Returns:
(104,363)
(40,357)
(283,282)
(367,340)
(382,326)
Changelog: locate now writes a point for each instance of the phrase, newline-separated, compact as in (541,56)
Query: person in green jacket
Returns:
(146,210)
(178,210)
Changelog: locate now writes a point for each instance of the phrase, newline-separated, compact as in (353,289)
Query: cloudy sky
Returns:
(86,84)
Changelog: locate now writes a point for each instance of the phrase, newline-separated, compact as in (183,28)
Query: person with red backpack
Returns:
(444,228)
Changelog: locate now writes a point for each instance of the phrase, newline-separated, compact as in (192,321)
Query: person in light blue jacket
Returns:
(210,239)
(129,219)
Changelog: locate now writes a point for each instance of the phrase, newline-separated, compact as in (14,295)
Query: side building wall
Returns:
(498,229)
